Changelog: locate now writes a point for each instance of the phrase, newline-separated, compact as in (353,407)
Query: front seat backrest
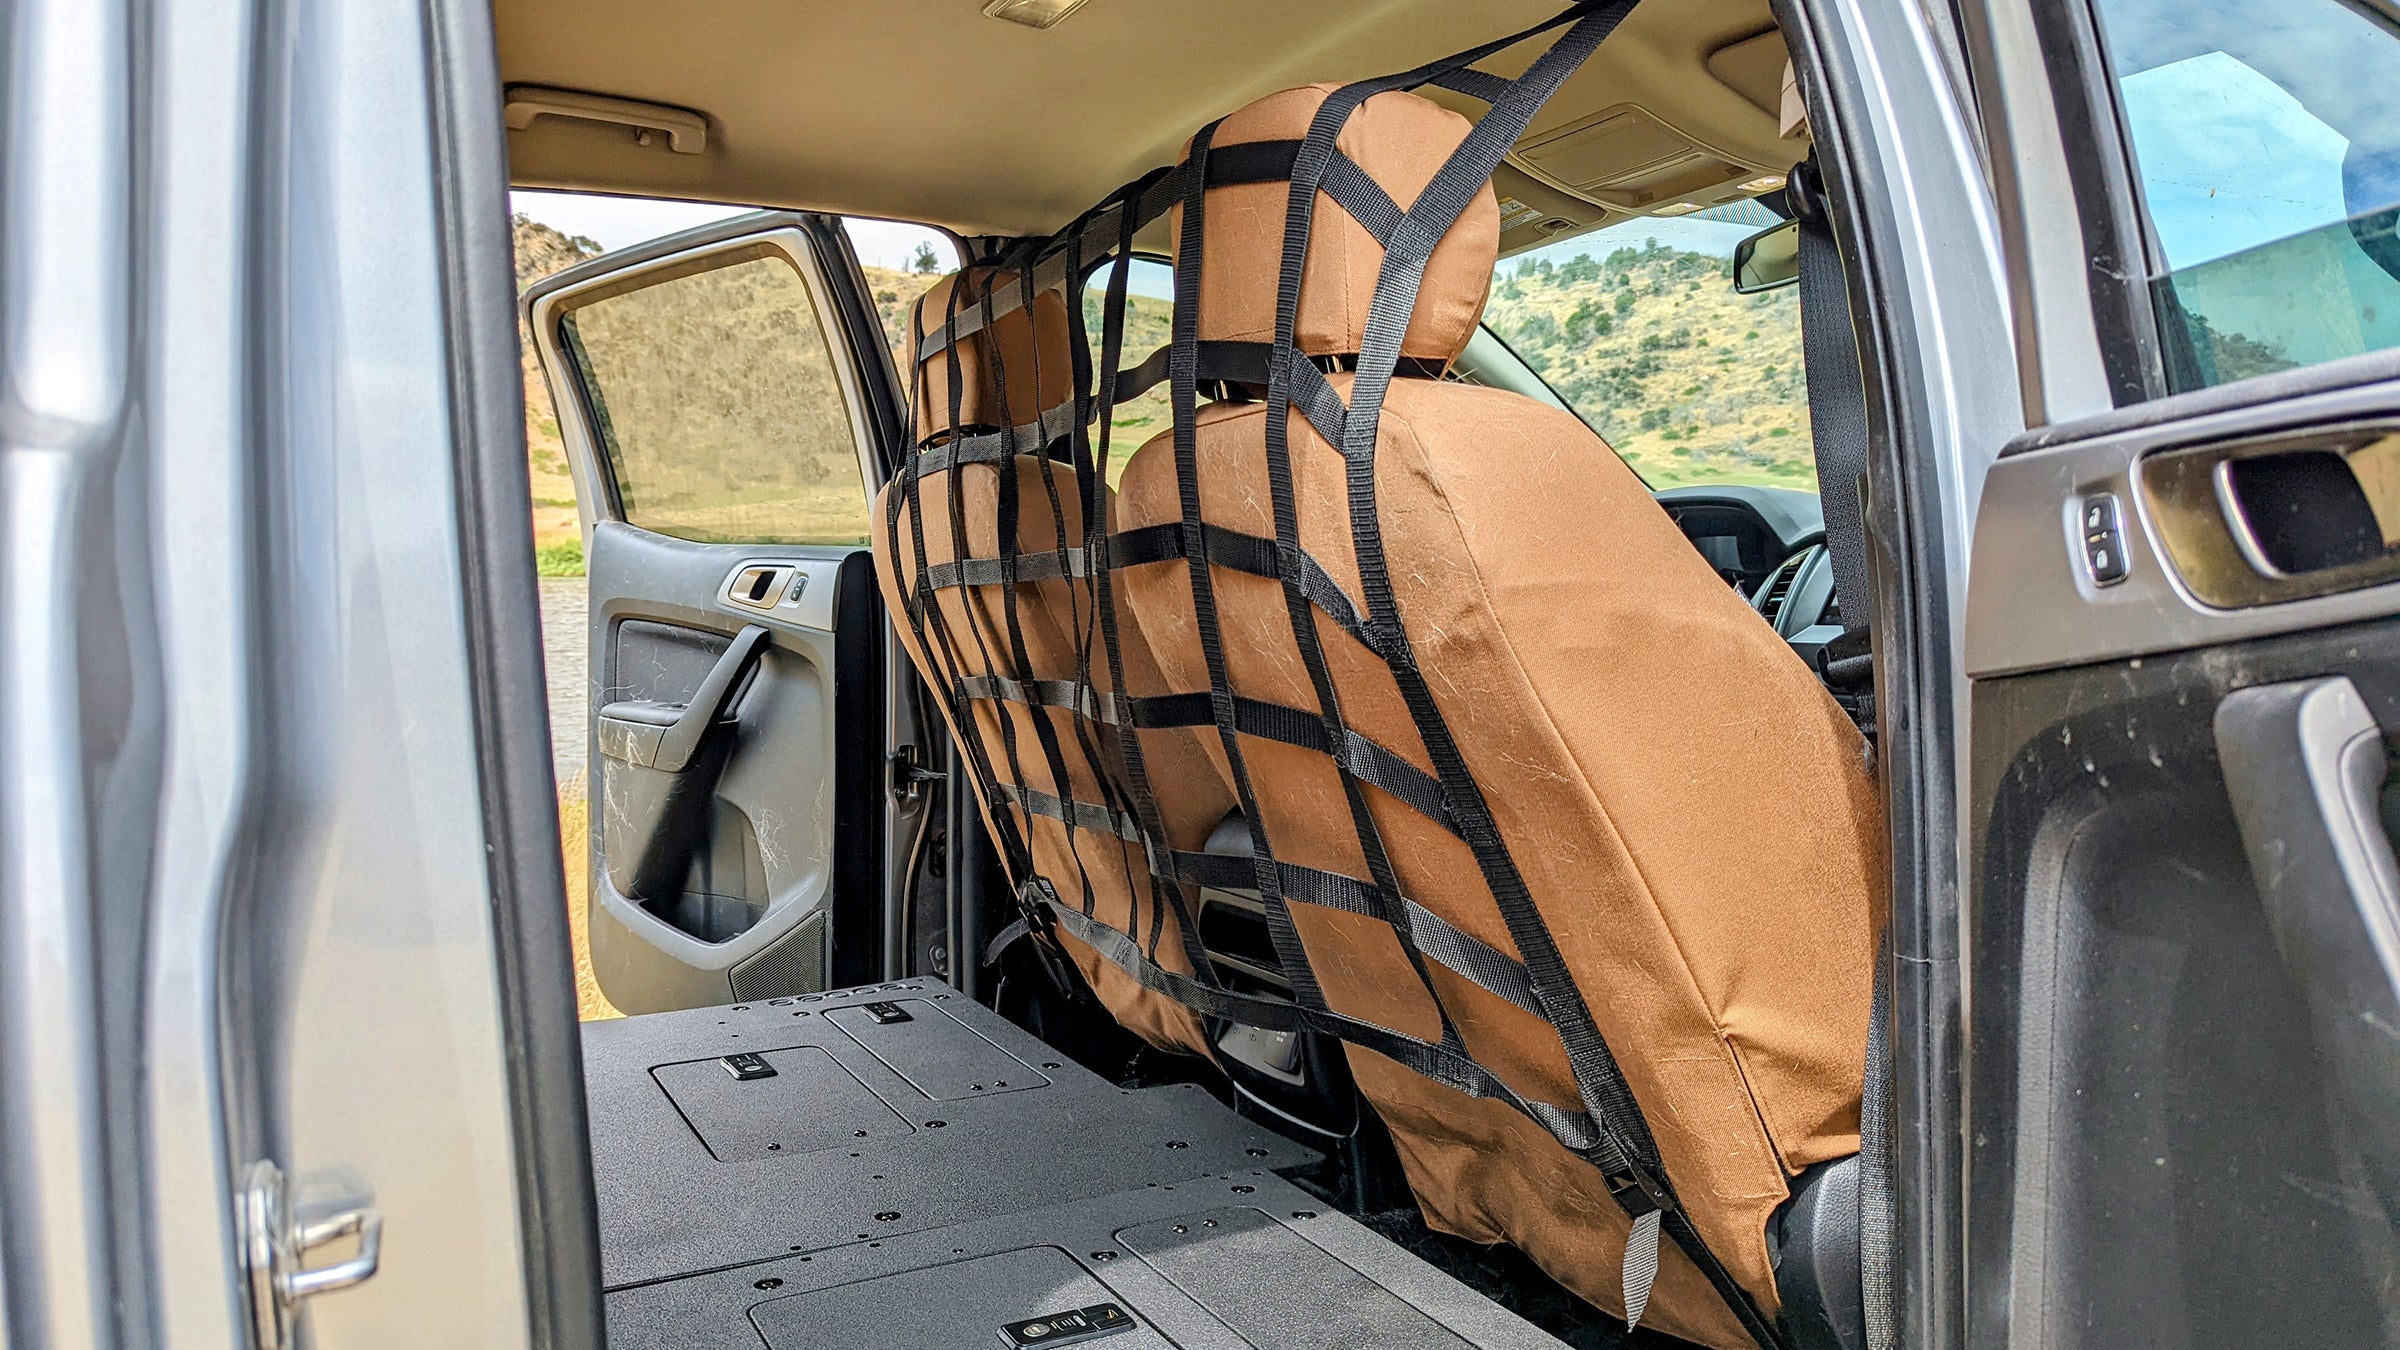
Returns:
(1543,684)
(986,633)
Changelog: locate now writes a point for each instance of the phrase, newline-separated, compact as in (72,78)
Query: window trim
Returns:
(2122,254)
(743,239)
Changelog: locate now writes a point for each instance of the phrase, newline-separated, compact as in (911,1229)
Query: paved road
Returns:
(564,646)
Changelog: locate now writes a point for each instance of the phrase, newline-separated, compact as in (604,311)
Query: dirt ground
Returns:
(574,818)
(564,658)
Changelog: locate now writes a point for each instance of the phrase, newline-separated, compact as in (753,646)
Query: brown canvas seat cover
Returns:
(1007,375)
(1690,812)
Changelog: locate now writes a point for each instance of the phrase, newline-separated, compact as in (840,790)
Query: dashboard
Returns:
(1769,544)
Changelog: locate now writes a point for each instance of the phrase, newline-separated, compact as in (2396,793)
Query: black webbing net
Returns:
(964,612)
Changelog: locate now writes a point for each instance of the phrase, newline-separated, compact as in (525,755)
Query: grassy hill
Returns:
(895,294)
(542,251)
(1689,381)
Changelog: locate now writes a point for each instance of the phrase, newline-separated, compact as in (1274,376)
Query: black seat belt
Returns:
(1837,400)
(1837,416)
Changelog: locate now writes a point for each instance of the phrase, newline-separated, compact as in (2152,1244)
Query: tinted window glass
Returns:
(2267,144)
(719,407)
(1638,328)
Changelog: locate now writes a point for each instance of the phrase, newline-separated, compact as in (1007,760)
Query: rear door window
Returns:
(2266,141)
(719,406)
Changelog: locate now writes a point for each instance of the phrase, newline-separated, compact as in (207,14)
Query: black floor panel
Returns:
(898,1168)
(868,1129)
(1237,1262)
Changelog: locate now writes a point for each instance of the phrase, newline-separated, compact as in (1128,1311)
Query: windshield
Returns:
(1638,328)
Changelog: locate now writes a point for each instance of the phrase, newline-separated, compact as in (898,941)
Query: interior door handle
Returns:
(2304,764)
(686,733)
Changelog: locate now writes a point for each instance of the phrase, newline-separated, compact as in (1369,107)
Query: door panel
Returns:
(716,411)
(2177,1132)
(2163,1138)
(745,910)
(2183,631)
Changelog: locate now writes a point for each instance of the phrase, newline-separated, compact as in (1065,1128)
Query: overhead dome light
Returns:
(1032,13)
(1677,209)
(1765,183)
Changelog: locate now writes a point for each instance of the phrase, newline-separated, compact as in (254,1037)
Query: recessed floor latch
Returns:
(1067,1328)
(748,1066)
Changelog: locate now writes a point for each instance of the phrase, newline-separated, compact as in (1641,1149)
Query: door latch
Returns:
(908,776)
(283,1223)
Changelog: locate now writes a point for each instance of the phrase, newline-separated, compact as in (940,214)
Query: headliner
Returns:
(926,110)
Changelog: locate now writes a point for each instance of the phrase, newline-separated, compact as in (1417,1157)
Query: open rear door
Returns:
(2183,933)
(724,398)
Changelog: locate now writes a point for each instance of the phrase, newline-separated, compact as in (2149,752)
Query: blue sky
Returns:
(2255,122)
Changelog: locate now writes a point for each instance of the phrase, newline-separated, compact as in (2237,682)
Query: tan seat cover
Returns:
(1691,812)
(1052,615)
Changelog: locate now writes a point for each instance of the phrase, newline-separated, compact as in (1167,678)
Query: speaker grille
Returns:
(795,964)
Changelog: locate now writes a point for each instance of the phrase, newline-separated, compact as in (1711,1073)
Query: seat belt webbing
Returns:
(1837,401)
(1837,414)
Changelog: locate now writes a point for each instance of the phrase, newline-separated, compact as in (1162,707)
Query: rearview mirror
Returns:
(1767,259)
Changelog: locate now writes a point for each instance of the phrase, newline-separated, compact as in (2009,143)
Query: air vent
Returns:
(1779,584)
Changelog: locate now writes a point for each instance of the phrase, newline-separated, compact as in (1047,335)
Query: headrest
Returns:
(1028,341)
(1400,141)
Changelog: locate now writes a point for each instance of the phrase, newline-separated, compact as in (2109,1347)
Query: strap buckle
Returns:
(1647,1202)
(1639,1192)
(1034,899)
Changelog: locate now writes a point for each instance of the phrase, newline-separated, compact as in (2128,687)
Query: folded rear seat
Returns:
(1552,830)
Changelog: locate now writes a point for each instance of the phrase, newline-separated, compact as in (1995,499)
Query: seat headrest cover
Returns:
(1033,350)
(1400,141)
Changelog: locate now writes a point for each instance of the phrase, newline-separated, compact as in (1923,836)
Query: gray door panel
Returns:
(2180,1083)
(2035,603)
(749,907)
